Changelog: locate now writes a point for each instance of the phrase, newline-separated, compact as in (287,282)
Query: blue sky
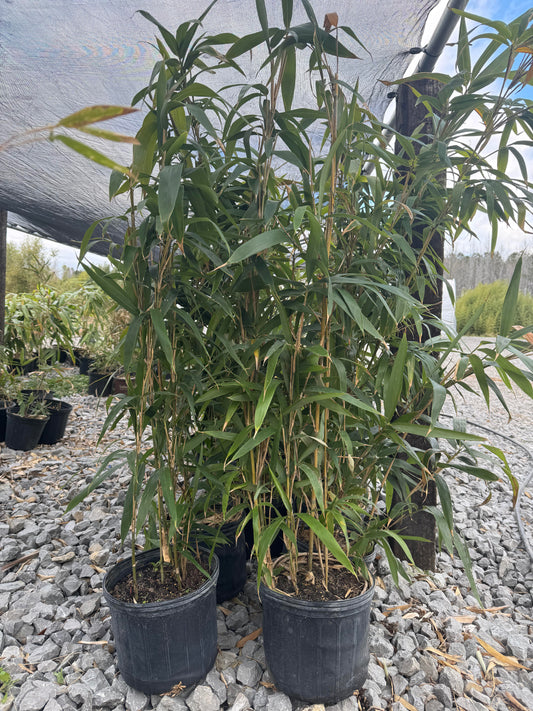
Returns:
(512,239)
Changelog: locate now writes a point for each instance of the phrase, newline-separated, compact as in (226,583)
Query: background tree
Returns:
(29,266)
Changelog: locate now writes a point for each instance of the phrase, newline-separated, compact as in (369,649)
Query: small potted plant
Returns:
(26,421)
(101,373)
(7,390)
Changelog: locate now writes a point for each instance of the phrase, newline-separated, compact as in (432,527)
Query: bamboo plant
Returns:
(276,294)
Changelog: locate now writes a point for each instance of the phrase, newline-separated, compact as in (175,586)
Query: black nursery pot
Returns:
(84,363)
(4,406)
(232,558)
(23,433)
(160,644)
(23,367)
(55,428)
(100,384)
(316,651)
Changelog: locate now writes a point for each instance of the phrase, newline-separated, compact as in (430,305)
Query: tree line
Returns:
(471,270)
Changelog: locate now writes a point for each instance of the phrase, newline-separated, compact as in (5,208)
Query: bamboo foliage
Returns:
(277,332)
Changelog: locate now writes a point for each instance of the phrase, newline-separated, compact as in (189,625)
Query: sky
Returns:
(511,239)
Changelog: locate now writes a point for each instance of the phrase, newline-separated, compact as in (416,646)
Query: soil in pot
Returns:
(164,643)
(23,433)
(100,384)
(55,428)
(316,649)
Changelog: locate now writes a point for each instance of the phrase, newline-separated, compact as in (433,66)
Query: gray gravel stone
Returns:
(107,698)
(407,664)
(453,680)
(279,702)
(249,672)
(203,698)
(349,704)
(169,703)
(519,646)
(241,703)
(34,695)
(136,700)
(215,682)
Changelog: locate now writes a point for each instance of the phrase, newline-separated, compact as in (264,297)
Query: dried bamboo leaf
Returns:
(500,658)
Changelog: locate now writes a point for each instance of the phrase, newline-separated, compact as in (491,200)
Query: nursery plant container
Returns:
(100,384)
(4,406)
(316,651)
(54,429)
(232,557)
(120,386)
(160,644)
(23,367)
(23,433)
(84,363)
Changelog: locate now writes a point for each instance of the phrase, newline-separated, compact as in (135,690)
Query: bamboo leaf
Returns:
(510,301)
(253,442)
(255,245)
(162,336)
(130,340)
(289,77)
(169,186)
(94,114)
(481,376)
(328,539)
(445,500)
(90,153)
(110,135)
(394,383)
(429,431)
(313,475)
(439,398)
(264,403)
(111,288)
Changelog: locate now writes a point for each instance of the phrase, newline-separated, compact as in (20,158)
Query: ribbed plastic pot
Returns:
(100,384)
(160,644)
(232,559)
(23,433)
(316,651)
(55,428)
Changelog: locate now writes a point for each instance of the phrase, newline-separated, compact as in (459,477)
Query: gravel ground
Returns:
(432,647)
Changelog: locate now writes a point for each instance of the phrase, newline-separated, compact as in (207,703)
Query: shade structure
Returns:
(58,56)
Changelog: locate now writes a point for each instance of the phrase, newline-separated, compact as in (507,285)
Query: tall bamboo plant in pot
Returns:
(277,321)
(329,369)
(170,640)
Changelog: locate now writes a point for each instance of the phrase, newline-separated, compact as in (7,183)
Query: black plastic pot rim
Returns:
(13,411)
(318,608)
(143,559)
